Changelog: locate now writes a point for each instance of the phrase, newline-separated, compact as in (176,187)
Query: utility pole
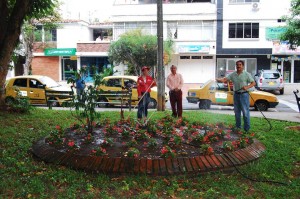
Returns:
(160,63)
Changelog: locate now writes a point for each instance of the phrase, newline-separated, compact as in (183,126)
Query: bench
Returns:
(57,97)
(123,96)
(297,98)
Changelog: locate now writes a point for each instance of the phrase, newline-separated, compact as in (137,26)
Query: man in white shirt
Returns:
(175,83)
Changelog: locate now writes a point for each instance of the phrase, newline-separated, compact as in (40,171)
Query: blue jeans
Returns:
(241,105)
(143,106)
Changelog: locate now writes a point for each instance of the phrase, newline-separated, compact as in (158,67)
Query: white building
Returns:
(249,30)
(190,24)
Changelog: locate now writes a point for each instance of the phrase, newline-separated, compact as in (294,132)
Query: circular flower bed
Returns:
(165,138)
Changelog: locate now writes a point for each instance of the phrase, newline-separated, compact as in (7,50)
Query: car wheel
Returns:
(261,106)
(152,103)
(204,104)
(281,91)
(103,103)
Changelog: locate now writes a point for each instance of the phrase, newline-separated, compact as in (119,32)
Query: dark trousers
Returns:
(143,106)
(176,103)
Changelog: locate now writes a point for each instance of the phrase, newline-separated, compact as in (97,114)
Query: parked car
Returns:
(33,87)
(117,83)
(216,93)
(269,80)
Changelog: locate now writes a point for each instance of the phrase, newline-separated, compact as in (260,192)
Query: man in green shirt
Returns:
(242,81)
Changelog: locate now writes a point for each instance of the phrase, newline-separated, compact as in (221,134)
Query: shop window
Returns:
(20,83)
(208,57)
(196,57)
(185,57)
(243,30)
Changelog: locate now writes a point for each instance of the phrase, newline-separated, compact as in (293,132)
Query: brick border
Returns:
(159,166)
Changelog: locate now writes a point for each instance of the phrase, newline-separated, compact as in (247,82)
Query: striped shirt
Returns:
(174,81)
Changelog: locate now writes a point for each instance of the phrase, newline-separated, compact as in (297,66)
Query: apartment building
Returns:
(249,30)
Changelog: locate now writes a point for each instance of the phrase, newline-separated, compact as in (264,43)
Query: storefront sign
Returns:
(273,33)
(193,48)
(283,48)
(60,51)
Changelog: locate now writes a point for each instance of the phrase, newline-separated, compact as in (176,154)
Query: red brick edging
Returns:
(159,166)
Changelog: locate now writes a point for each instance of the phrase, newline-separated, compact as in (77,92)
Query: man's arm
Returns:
(249,86)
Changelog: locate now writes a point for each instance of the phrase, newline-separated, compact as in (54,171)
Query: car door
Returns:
(131,84)
(36,91)
(20,85)
(218,93)
(113,84)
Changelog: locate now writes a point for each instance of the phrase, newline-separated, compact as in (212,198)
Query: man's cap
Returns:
(145,67)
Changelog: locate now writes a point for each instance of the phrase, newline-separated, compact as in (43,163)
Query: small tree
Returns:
(136,49)
(85,108)
(292,34)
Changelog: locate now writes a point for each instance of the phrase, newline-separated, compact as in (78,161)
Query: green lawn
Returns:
(22,176)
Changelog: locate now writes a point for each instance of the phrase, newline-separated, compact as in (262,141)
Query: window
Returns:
(184,57)
(196,57)
(114,83)
(243,1)
(243,30)
(129,83)
(207,57)
(20,82)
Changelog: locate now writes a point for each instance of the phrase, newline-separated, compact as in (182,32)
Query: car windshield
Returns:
(271,75)
(50,83)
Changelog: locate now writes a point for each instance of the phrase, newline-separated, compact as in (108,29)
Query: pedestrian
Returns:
(242,81)
(175,83)
(144,84)
(79,85)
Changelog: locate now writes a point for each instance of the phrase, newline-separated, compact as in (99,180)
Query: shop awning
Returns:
(60,51)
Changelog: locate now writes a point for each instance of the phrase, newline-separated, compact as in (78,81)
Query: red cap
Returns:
(145,67)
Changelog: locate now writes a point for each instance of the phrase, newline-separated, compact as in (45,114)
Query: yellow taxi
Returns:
(119,83)
(33,87)
(214,93)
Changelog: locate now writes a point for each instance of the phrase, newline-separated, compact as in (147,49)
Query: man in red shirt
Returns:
(144,85)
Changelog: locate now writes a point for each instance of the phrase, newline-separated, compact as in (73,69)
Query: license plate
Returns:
(271,83)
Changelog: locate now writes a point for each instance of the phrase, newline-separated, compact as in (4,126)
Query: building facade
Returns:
(209,37)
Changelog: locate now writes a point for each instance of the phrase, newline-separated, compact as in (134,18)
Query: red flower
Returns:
(58,127)
(71,143)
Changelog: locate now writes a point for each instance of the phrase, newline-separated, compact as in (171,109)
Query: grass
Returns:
(22,176)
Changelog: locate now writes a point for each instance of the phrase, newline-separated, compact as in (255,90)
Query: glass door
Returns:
(69,67)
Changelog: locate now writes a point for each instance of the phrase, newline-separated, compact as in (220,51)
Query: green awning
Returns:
(60,51)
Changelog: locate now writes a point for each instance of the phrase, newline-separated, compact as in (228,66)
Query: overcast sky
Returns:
(86,9)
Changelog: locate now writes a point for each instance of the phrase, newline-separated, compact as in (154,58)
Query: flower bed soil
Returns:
(150,144)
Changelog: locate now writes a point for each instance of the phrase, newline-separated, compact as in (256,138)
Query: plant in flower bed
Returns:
(167,138)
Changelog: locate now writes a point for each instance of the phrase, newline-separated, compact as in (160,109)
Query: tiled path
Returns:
(159,166)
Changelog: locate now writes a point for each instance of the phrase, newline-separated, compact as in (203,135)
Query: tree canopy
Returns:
(12,16)
(292,34)
(136,50)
